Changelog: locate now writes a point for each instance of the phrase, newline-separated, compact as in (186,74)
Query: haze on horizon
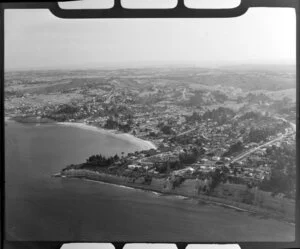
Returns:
(35,39)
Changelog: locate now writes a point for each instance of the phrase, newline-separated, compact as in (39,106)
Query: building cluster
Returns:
(162,116)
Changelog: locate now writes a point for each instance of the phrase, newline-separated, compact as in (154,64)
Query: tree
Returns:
(283,170)
(175,165)
(218,176)
(235,171)
(235,148)
(161,167)
(99,161)
(167,130)
(177,181)
(220,115)
(111,124)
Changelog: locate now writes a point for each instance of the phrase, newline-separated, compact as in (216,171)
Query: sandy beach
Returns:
(144,144)
(66,202)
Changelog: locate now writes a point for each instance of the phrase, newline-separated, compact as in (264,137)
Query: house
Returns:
(133,166)
(215,158)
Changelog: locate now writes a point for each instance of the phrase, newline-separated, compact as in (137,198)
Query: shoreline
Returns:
(158,189)
(125,136)
(144,144)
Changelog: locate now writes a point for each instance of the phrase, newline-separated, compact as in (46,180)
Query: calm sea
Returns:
(42,208)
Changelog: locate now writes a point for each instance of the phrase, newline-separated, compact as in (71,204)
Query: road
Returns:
(183,94)
(267,143)
(259,147)
(186,132)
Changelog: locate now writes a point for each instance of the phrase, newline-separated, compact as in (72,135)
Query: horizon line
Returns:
(116,66)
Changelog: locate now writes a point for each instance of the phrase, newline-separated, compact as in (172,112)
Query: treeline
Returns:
(219,175)
(233,149)
(189,157)
(67,109)
(147,153)
(65,112)
(114,124)
(283,170)
(202,97)
(220,115)
(96,161)
(257,135)
(251,115)
(186,157)
(165,166)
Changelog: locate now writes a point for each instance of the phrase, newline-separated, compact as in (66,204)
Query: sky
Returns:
(36,39)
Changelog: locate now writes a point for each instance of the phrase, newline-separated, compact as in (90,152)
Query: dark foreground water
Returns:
(40,207)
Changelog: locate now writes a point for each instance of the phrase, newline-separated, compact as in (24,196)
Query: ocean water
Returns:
(42,208)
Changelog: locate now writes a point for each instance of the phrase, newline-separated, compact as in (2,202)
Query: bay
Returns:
(42,208)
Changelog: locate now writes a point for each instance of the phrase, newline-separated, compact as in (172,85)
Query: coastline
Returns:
(147,145)
(186,191)
(29,120)
(144,144)
(159,188)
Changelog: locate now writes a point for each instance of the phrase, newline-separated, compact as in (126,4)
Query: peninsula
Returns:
(213,133)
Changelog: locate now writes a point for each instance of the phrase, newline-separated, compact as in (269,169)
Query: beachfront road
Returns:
(90,211)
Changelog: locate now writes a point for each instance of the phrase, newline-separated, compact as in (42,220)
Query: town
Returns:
(200,131)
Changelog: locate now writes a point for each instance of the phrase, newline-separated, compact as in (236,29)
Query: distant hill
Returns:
(287,68)
(245,77)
